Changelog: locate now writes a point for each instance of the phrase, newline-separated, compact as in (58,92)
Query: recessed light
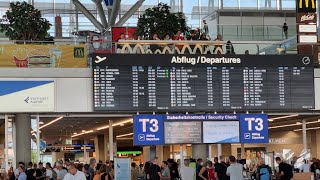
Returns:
(41,122)
(298,123)
(75,133)
(121,124)
(83,131)
(97,122)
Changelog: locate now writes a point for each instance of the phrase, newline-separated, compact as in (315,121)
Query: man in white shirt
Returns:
(17,172)
(60,171)
(74,174)
(186,172)
(235,170)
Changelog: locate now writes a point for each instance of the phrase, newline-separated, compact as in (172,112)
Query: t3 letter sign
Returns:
(148,130)
(254,128)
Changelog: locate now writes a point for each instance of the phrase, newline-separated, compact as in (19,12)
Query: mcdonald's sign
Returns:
(306,6)
(78,52)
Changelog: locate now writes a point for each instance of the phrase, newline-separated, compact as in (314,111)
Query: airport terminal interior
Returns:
(128,90)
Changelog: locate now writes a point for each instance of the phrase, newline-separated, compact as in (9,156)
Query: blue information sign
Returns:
(148,130)
(254,128)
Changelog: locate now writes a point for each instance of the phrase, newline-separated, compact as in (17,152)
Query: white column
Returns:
(38,138)
(111,140)
(219,150)
(304,134)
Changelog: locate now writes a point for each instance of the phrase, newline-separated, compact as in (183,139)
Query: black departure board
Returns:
(206,83)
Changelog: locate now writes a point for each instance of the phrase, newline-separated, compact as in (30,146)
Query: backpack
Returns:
(264,173)
(54,175)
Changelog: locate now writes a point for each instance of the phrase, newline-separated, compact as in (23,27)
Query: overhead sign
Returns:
(186,129)
(305,6)
(254,128)
(202,83)
(27,96)
(148,130)
(221,132)
(308,38)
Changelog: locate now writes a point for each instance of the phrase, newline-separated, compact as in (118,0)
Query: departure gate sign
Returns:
(204,83)
(200,128)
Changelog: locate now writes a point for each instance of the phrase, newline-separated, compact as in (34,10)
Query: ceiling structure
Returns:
(80,127)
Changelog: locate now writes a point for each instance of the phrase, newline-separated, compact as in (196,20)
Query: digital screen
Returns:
(206,83)
(182,132)
(221,132)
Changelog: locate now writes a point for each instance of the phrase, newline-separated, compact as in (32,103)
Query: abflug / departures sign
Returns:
(179,83)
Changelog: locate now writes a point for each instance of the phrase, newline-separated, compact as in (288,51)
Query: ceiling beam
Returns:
(130,12)
(101,12)
(114,13)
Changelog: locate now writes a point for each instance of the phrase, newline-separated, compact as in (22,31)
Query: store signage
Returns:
(308,39)
(27,96)
(306,6)
(307,28)
(254,128)
(216,128)
(306,18)
(148,130)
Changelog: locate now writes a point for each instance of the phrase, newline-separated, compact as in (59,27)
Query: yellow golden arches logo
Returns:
(306,2)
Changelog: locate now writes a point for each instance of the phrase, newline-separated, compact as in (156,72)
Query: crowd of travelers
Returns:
(221,168)
(64,171)
(192,35)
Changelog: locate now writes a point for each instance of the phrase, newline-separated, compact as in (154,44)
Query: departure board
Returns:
(206,83)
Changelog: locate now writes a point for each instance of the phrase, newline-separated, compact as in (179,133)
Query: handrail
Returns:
(194,42)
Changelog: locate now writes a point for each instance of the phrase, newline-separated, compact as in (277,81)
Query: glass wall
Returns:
(195,10)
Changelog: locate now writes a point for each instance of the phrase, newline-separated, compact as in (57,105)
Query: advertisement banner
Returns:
(254,128)
(148,130)
(43,56)
(27,96)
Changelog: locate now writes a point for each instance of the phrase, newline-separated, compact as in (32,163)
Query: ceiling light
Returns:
(307,129)
(83,131)
(75,133)
(86,132)
(296,124)
(41,122)
(282,117)
(124,135)
(121,125)
(49,123)
(116,124)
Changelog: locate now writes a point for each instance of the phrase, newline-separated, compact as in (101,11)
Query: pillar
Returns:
(86,156)
(149,152)
(99,147)
(106,146)
(304,134)
(243,155)
(200,151)
(23,137)
(159,153)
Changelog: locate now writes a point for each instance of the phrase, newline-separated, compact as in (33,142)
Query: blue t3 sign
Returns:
(254,128)
(148,130)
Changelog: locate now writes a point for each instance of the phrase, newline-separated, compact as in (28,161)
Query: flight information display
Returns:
(193,83)
(183,132)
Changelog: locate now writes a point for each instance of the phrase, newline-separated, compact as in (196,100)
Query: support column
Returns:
(85,153)
(219,150)
(111,140)
(99,147)
(243,156)
(200,151)
(106,146)
(23,140)
(210,151)
(304,134)
(159,153)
